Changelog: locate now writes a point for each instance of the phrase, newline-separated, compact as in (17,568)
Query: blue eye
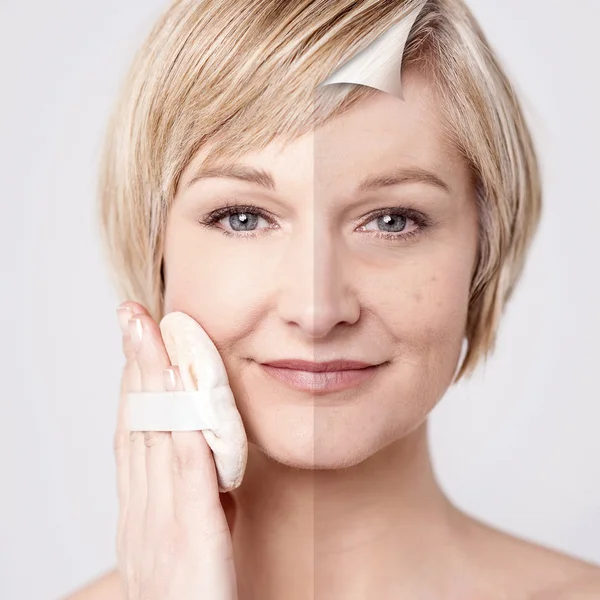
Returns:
(242,222)
(391,223)
(240,219)
(394,224)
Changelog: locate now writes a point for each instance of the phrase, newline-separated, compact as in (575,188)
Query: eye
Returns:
(241,221)
(238,220)
(396,224)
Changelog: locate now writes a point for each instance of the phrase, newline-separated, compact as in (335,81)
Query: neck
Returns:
(344,532)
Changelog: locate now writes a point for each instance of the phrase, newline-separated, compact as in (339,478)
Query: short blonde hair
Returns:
(237,74)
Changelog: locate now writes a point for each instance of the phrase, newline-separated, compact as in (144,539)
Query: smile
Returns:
(321,381)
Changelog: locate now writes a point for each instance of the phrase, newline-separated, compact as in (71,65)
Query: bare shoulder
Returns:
(579,587)
(105,587)
(530,571)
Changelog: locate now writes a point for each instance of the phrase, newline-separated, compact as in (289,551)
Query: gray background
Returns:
(517,446)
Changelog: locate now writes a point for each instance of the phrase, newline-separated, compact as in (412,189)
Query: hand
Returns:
(173,539)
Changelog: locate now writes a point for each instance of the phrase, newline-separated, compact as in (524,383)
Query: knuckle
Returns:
(130,370)
(134,436)
(154,438)
(186,458)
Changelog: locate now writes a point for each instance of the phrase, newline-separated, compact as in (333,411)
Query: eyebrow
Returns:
(239,172)
(371,182)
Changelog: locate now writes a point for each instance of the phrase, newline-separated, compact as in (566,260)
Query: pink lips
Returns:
(321,377)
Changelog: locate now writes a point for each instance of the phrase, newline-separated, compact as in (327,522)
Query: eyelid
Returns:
(415,215)
(236,206)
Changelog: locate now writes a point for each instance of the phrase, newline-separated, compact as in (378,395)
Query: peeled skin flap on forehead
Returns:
(201,367)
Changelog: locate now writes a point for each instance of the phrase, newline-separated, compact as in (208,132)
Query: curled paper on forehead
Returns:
(379,65)
(206,403)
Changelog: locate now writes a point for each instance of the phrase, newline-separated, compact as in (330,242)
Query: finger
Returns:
(195,484)
(153,359)
(133,529)
(197,504)
(151,354)
(159,472)
(125,312)
(130,381)
(159,461)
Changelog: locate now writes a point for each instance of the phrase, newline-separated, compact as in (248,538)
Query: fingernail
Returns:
(124,313)
(136,330)
(169,379)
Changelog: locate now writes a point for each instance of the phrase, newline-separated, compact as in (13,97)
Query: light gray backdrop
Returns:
(518,446)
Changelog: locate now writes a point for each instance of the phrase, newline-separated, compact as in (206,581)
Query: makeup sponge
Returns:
(201,368)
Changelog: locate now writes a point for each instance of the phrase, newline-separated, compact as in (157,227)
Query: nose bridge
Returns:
(315,293)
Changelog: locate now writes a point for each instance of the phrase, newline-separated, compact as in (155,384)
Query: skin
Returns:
(339,498)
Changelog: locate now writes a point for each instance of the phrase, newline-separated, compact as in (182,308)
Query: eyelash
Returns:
(417,217)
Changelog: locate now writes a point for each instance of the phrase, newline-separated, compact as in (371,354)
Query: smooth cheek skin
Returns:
(413,300)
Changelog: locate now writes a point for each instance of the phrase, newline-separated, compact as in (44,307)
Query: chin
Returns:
(317,439)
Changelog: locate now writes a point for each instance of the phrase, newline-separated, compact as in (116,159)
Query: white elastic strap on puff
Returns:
(174,411)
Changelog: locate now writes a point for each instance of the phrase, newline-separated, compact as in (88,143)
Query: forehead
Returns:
(380,134)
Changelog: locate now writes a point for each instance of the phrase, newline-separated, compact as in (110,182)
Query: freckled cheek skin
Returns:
(423,306)
(421,301)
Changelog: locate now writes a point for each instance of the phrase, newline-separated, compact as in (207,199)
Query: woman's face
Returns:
(319,267)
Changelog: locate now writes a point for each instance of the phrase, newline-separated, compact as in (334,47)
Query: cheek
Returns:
(424,301)
(214,281)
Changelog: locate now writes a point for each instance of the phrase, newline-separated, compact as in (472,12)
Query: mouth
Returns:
(321,378)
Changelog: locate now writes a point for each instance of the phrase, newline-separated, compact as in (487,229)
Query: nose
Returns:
(315,290)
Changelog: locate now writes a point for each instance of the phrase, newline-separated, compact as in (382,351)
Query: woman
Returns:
(292,223)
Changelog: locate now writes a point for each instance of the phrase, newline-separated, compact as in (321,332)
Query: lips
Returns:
(319,367)
(320,378)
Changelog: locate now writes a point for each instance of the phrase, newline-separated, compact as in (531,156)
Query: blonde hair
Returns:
(237,74)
